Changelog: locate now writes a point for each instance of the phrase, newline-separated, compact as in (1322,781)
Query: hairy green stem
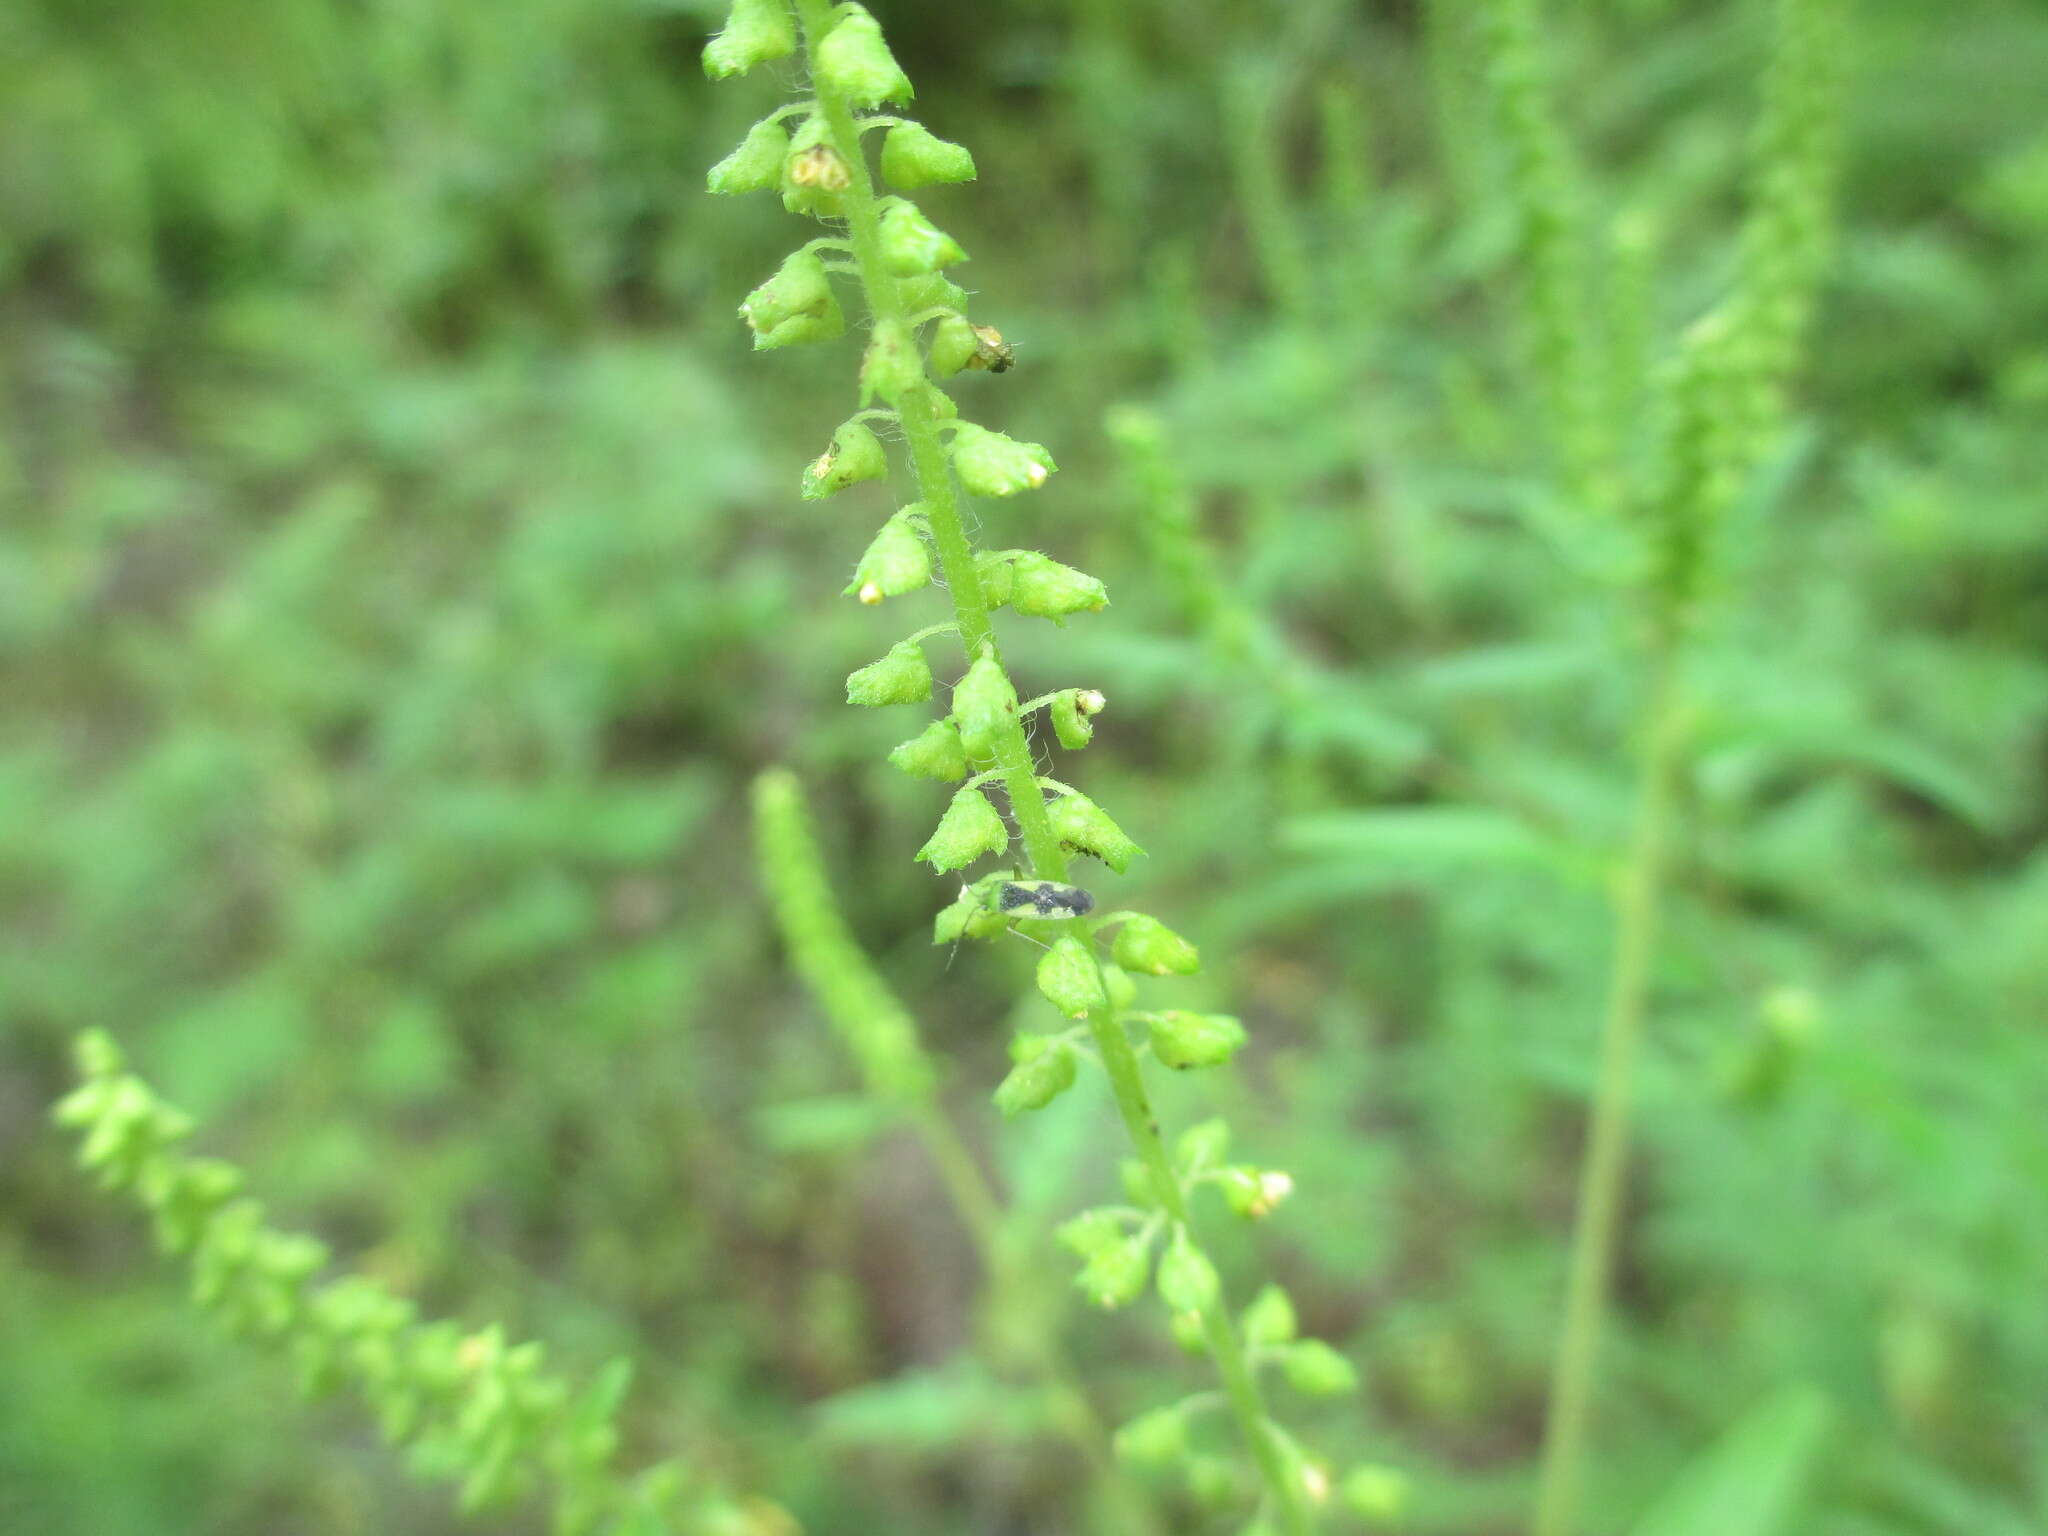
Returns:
(1602,1174)
(920,419)
(1247,1403)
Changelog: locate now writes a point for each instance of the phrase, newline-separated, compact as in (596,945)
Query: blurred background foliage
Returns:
(401,577)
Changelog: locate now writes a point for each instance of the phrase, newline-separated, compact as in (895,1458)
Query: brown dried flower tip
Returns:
(991,351)
(821,168)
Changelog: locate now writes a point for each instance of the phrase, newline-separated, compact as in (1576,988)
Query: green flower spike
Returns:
(912,244)
(969,829)
(991,464)
(853,61)
(755,32)
(1146,945)
(1186,1040)
(794,305)
(1085,827)
(934,753)
(914,156)
(1066,975)
(1046,1072)
(901,677)
(897,561)
(756,166)
(855,455)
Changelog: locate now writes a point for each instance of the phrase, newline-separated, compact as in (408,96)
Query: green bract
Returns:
(914,156)
(896,561)
(990,464)
(756,166)
(901,677)
(1187,1280)
(969,829)
(1183,1040)
(1147,945)
(984,704)
(1067,977)
(1036,1081)
(934,753)
(855,455)
(796,304)
(1085,827)
(1036,585)
(912,244)
(854,62)
(755,32)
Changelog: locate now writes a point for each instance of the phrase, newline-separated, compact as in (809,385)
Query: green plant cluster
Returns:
(467,1406)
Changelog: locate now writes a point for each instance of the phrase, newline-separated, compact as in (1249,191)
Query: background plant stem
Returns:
(1602,1173)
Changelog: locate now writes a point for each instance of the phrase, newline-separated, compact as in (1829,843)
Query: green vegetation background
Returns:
(401,576)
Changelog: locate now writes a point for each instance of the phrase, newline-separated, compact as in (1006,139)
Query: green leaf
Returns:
(1753,1480)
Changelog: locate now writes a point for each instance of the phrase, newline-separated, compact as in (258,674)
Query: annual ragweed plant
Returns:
(845,155)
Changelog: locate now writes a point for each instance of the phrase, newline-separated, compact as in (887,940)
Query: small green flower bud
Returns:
(969,829)
(1066,975)
(953,344)
(853,61)
(914,156)
(1039,1079)
(1183,1040)
(1140,1188)
(1090,1232)
(815,174)
(1253,1192)
(934,753)
(1123,991)
(1377,1494)
(1146,945)
(890,367)
(1073,710)
(1155,1439)
(855,455)
(901,677)
(991,464)
(1114,1275)
(1188,1332)
(1317,1370)
(1036,585)
(896,561)
(755,31)
(1084,827)
(912,243)
(1187,1280)
(755,166)
(969,916)
(1202,1145)
(794,305)
(1269,1319)
(984,703)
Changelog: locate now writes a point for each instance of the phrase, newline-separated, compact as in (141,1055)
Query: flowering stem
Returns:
(1601,1177)
(1247,1402)
(921,422)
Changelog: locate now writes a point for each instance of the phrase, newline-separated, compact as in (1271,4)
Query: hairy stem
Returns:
(920,419)
(1247,1403)
(1602,1174)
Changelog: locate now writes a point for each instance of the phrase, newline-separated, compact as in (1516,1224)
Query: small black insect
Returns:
(991,351)
(1042,898)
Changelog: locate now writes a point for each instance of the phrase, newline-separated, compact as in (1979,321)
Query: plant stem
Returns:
(1247,1403)
(1601,1175)
(920,419)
